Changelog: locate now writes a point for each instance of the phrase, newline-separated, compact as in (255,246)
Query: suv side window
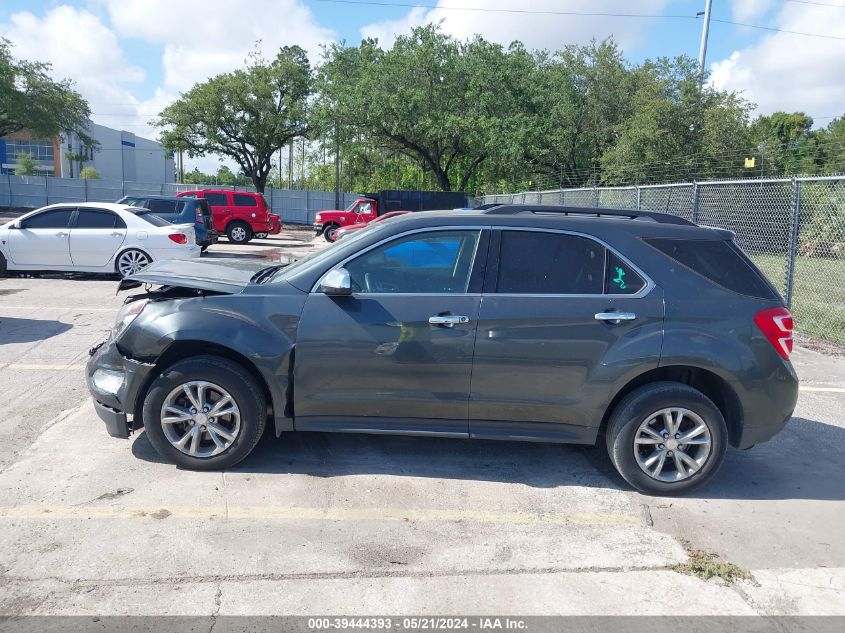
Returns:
(534,262)
(54,219)
(243,200)
(165,206)
(217,199)
(620,278)
(98,219)
(436,262)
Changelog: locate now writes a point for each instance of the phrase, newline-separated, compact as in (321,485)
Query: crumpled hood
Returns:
(217,275)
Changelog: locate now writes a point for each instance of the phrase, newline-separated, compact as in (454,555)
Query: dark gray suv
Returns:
(642,330)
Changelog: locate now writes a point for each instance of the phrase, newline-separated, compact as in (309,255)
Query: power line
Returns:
(652,16)
(818,4)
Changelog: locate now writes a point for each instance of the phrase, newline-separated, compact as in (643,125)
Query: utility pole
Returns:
(705,30)
(336,165)
(290,165)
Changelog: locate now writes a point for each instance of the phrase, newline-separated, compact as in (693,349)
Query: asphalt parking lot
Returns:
(319,523)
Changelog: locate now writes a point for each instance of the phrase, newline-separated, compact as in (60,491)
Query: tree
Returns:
(31,100)
(89,173)
(246,115)
(430,98)
(27,165)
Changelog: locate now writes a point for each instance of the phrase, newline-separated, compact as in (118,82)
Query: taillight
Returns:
(179,238)
(776,325)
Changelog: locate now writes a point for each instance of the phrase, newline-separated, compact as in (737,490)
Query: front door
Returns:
(396,355)
(95,237)
(42,239)
(564,320)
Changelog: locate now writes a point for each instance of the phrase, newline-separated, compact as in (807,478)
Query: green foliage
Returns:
(223,176)
(246,115)
(89,173)
(31,100)
(26,164)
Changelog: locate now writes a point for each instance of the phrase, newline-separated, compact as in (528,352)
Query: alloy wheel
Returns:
(131,262)
(239,234)
(672,444)
(200,419)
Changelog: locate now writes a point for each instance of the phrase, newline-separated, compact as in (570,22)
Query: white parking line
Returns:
(69,307)
(822,389)
(39,367)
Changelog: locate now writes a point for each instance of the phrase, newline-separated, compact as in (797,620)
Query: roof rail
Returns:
(633,214)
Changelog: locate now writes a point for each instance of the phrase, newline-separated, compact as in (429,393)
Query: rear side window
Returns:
(165,206)
(720,261)
(243,200)
(620,278)
(216,199)
(55,219)
(98,219)
(550,263)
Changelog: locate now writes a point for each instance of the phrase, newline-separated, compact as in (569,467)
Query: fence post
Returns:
(695,202)
(793,240)
(46,191)
(85,180)
(639,198)
(595,197)
(560,197)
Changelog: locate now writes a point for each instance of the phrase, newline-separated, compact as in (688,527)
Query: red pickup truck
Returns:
(367,208)
(241,215)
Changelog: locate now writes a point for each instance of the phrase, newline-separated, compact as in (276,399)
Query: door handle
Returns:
(447,320)
(61,234)
(117,234)
(615,317)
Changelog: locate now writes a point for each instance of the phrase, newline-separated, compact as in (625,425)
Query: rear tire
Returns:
(236,433)
(639,425)
(330,232)
(131,261)
(261,236)
(239,232)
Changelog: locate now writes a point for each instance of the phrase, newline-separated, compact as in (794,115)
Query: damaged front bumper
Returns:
(115,383)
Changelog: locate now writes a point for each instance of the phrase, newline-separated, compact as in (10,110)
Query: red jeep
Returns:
(241,215)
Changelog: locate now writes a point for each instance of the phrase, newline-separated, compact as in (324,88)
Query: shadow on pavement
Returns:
(29,330)
(803,462)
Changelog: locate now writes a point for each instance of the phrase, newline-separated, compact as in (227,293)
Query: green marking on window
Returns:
(619,278)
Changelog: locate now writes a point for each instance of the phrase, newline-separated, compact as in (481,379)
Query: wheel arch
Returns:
(183,349)
(710,384)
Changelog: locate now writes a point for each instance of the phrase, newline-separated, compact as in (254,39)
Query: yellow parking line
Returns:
(317,514)
(822,389)
(39,367)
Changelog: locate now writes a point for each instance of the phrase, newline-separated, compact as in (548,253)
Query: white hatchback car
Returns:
(95,237)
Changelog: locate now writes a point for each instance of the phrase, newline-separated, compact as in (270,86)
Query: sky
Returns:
(130,58)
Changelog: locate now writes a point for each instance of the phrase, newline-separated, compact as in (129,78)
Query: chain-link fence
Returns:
(793,229)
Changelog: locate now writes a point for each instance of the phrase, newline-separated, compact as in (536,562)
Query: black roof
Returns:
(598,212)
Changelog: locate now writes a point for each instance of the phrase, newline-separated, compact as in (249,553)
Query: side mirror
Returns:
(336,283)
(15,225)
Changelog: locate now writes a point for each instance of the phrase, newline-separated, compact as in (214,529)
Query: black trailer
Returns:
(394,200)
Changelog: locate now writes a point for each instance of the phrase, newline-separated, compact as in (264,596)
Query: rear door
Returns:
(42,239)
(563,320)
(95,237)
(221,210)
(245,207)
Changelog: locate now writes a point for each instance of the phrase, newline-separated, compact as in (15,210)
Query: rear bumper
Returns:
(275,226)
(767,405)
(183,252)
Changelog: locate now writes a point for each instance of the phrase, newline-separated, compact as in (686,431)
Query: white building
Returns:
(120,156)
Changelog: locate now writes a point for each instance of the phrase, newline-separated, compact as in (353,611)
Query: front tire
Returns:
(239,232)
(3,268)
(132,261)
(646,437)
(204,413)
(330,232)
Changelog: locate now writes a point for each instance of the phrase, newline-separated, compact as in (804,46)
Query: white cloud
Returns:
(789,72)
(748,9)
(535,30)
(80,47)
(202,38)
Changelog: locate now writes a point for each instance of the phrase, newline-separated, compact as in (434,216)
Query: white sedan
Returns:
(95,237)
